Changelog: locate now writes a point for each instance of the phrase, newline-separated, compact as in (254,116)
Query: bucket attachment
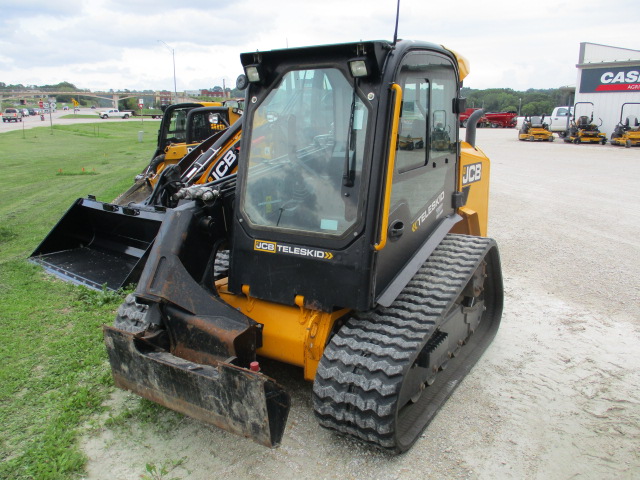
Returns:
(177,343)
(136,193)
(99,244)
(235,399)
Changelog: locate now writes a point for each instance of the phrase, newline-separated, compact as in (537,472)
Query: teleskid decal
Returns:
(286,249)
(436,205)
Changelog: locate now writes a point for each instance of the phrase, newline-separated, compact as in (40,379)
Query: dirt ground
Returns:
(556,396)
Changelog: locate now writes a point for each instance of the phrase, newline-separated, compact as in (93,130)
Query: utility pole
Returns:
(173,55)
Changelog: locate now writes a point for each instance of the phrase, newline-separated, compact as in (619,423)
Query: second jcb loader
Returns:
(184,126)
(105,245)
(330,249)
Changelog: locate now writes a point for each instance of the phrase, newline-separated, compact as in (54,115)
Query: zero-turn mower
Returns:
(583,130)
(626,133)
(535,129)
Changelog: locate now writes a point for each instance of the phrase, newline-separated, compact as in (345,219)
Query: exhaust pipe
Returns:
(472,123)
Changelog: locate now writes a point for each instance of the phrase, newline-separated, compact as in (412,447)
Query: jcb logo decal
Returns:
(471,173)
(263,246)
(223,166)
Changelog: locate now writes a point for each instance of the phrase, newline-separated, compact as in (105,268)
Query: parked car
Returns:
(33,111)
(114,112)
(12,115)
(25,112)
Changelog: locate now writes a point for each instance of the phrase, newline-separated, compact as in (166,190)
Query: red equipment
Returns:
(495,120)
(502,119)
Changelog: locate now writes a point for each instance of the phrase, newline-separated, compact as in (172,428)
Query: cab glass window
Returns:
(177,132)
(427,135)
(306,154)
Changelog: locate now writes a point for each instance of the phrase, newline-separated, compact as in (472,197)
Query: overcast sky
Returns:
(115,44)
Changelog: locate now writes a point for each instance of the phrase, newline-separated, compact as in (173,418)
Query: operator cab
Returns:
(315,151)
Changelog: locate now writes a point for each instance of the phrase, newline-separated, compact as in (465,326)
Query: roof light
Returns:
(359,67)
(253,73)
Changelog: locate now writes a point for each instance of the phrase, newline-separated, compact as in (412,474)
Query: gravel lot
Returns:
(556,396)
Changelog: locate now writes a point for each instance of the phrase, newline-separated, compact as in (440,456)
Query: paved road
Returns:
(55,119)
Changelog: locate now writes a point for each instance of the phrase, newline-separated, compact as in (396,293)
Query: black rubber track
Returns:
(132,316)
(359,380)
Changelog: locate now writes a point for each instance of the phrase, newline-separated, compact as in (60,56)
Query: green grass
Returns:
(54,373)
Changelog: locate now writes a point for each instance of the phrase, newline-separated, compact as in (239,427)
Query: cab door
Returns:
(426,157)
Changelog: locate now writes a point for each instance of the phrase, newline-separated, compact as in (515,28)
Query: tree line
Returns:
(529,102)
(60,87)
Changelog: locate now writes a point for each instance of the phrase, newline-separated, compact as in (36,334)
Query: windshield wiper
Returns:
(349,172)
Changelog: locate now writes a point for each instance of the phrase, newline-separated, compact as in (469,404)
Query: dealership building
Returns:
(608,77)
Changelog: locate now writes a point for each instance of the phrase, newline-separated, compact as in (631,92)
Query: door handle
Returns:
(396,229)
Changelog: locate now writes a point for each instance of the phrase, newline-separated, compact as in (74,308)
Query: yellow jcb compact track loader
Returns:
(184,126)
(331,249)
(534,129)
(626,133)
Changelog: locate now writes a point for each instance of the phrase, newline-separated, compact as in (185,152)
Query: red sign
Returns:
(618,87)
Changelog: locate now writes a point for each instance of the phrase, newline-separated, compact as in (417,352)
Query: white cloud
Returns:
(105,44)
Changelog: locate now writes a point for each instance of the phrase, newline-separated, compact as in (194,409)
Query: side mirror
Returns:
(459,105)
(242,82)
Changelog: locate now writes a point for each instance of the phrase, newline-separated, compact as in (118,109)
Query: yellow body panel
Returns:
(172,155)
(291,334)
(475,171)
(463,64)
